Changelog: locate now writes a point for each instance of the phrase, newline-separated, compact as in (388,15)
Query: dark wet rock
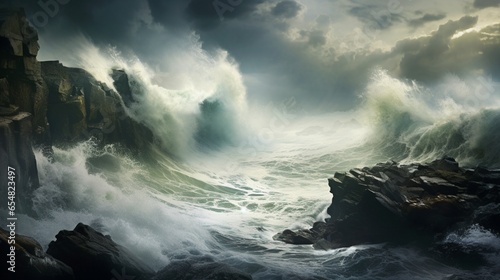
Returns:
(122,85)
(67,104)
(299,237)
(200,268)
(21,83)
(4,93)
(445,164)
(303,236)
(81,107)
(30,260)
(463,256)
(403,204)
(488,217)
(16,152)
(85,253)
(93,255)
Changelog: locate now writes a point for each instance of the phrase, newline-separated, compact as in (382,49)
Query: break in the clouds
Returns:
(318,52)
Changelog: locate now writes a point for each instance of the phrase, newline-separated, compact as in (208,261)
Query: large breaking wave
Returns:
(195,99)
(458,118)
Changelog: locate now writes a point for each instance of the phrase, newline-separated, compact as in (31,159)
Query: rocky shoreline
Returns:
(84,253)
(406,205)
(415,205)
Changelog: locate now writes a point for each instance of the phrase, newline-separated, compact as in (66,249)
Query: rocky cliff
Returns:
(21,91)
(80,107)
(16,152)
(46,103)
(21,84)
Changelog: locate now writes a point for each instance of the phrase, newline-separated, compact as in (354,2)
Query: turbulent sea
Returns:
(223,177)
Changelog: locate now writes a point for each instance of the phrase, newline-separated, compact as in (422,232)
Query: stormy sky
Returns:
(321,52)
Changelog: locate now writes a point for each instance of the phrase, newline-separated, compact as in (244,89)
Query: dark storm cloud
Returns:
(491,50)
(208,14)
(169,13)
(275,66)
(429,58)
(146,28)
(481,4)
(376,16)
(425,19)
(286,9)
(104,21)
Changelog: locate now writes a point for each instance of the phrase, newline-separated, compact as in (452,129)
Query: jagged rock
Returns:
(16,152)
(303,236)
(200,268)
(405,203)
(300,237)
(21,71)
(445,164)
(93,255)
(67,104)
(4,93)
(30,260)
(10,110)
(122,85)
(488,217)
(80,107)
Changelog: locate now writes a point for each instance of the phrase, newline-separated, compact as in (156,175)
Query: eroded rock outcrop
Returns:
(93,255)
(67,104)
(23,107)
(21,83)
(402,204)
(81,107)
(30,260)
(16,152)
(46,103)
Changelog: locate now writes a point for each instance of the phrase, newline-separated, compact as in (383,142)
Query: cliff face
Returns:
(22,85)
(46,103)
(66,104)
(16,152)
(80,107)
(21,90)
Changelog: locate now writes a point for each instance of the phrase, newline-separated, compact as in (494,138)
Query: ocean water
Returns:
(224,177)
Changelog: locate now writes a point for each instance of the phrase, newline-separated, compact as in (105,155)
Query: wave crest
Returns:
(413,123)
